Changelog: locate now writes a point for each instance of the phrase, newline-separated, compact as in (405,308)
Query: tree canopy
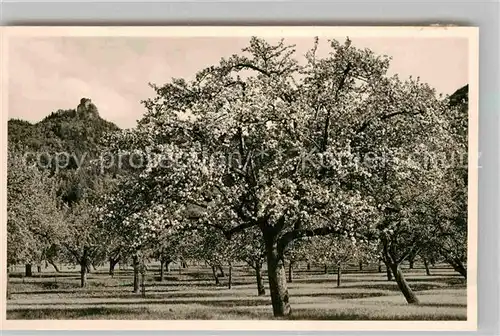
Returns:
(295,148)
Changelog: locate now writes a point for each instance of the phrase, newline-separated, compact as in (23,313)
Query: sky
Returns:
(51,73)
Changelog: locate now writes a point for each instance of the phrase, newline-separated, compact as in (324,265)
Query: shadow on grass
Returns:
(44,292)
(429,278)
(212,303)
(300,314)
(60,287)
(343,296)
(145,314)
(331,280)
(309,273)
(136,314)
(198,283)
(72,313)
(45,276)
(394,286)
(156,279)
(444,305)
(456,282)
(153,295)
(166,295)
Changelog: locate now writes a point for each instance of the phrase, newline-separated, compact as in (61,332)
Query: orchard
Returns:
(269,169)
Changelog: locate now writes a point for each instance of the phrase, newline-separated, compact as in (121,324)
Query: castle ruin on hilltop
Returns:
(86,109)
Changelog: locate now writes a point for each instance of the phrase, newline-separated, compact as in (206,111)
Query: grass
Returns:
(192,294)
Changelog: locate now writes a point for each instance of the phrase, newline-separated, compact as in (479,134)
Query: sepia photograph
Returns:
(230,173)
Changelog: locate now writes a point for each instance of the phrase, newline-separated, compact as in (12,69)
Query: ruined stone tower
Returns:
(86,109)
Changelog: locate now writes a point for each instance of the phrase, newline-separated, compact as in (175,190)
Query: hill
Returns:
(74,131)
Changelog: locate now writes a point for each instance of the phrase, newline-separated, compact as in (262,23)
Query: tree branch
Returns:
(72,251)
(295,234)
(253,67)
(406,255)
(367,122)
(327,122)
(262,71)
(239,228)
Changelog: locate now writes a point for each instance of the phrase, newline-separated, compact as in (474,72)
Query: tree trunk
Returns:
(222,274)
(426,265)
(27,271)
(458,266)
(326,269)
(277,278)
(380,266)
(290,272)
(162,269)
(84,268)
(112,265)
(388,270)
(39,268)
(261,290)
(216,277)
(308,266)
(230,279)
(8,291)
(83,276)
(167,265)
(184,264)
(54,265)
(143,283)
(412,262)
(135,261)
(339,275)
(360,265)
(111,268)
(410,297)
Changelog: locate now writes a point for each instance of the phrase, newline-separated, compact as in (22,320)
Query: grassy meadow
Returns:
(191,293)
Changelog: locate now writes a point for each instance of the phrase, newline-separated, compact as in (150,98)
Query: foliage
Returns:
(250,247)
(339,250)
(60,148)
(33,214)
(61,131)
(294,149)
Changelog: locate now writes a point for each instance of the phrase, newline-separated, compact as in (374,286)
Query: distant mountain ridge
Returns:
(460,97)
